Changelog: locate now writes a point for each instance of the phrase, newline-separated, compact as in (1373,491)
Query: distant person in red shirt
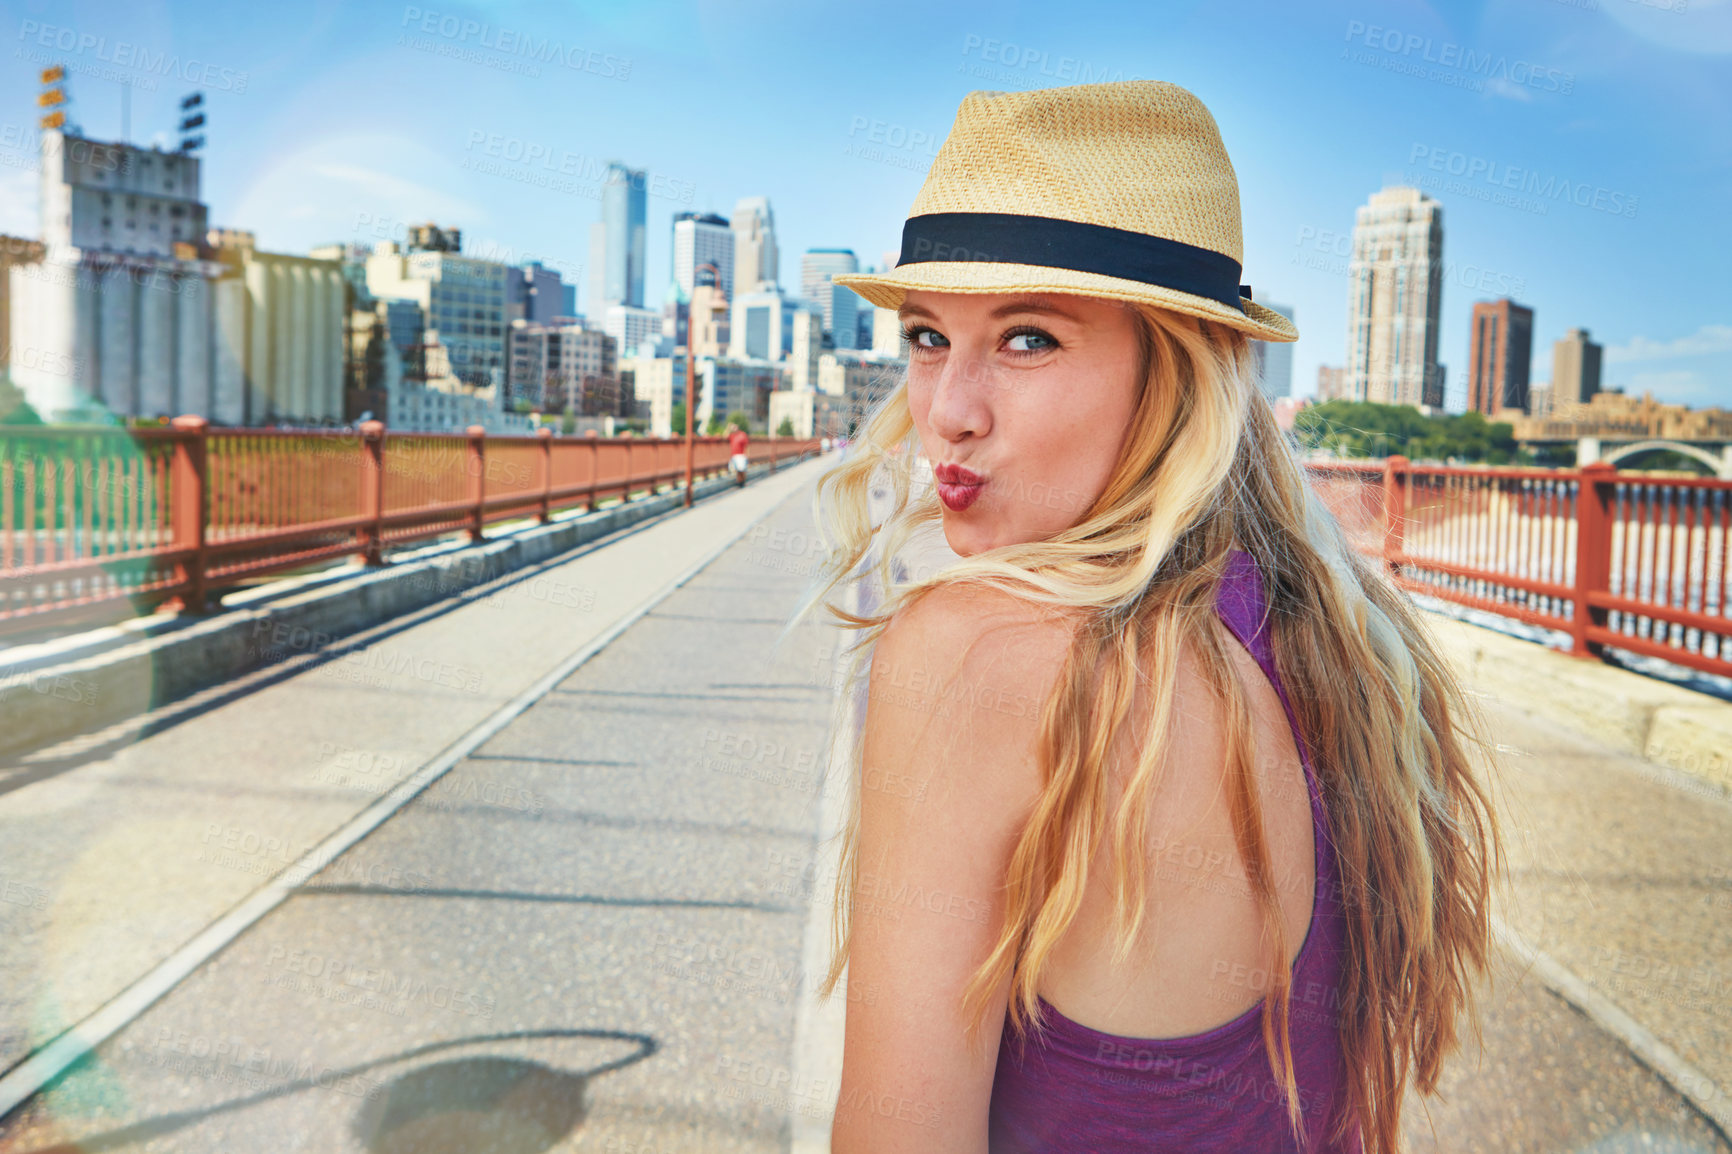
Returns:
(737,442)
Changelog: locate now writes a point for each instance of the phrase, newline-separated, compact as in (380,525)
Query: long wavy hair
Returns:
(1391,735)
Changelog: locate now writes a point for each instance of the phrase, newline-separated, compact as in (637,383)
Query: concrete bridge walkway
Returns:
(592,928)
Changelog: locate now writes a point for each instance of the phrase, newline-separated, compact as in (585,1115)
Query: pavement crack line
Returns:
(555,899)
(1706,1098)
(23,1080)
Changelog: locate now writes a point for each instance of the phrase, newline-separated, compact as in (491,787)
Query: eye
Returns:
(1031,341)
(922,337)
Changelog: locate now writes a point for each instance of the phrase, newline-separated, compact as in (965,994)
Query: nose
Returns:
(961,404)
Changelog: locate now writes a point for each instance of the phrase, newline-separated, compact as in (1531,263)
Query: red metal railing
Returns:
(91,518)
(1635,562)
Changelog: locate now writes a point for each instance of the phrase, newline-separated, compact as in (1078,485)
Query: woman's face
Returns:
(1022,404)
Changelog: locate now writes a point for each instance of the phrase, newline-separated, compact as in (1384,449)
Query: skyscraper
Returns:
(840,306)
(616,241)
(463,303)
(1331,383)
(1501,347)
(1275,360)
(534,293)
(1575,369)
(1394,300)
(757,263)
(702,238)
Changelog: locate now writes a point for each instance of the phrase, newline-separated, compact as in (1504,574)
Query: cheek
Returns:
(1077,446)
(920,411)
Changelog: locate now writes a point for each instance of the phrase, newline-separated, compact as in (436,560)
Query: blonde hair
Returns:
(1391,736)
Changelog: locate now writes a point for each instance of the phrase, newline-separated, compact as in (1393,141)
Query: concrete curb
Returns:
(1696,1087)
(1687,735)
(46,703)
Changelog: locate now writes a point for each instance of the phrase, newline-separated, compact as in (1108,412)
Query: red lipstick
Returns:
(958,488)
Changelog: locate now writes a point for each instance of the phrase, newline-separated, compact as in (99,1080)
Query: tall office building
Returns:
(1540,400)
(462,300)
(840,306)
(616,241)
(887,333)
(1575,369)
(709,318)
(1273,359)
(1394,300)
(535,294)
(429,237)
(762,325)
(566,367)
(757,263)
(630,327)
(702,238)
(806,345)
(1331,383)
(1501,348)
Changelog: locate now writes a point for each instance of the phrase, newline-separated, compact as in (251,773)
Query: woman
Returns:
(1167,834)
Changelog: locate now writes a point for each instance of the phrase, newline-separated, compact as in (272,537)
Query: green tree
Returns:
(786,428)
(741,419)
(14,409)
(678,421)
(1367,429)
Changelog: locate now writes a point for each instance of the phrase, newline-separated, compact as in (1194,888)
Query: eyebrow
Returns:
(1024,305)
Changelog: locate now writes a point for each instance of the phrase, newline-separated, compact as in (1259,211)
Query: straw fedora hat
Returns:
(1120,190)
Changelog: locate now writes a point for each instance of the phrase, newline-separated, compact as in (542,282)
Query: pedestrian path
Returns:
(116,864)
(599,928)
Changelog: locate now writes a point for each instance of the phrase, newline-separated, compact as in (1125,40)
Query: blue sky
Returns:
(1581,149)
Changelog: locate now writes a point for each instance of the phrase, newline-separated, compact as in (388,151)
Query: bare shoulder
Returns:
(948,777)
(970,644)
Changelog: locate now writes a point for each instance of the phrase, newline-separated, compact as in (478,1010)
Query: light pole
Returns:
(691,373)
(691,404)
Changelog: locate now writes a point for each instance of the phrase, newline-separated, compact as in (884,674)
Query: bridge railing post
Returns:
(1594,496)
(189,505)
(1395,479)
(545,436)
(477,480)
(373,492)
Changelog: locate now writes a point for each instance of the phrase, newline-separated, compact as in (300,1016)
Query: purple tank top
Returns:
(1079,1089)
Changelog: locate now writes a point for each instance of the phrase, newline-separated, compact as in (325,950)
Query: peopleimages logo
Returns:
(1415,51)
(123,54)
(509,42)
(1474,170)
(1024,56)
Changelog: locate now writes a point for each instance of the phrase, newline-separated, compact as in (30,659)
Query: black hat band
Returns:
(1009,238)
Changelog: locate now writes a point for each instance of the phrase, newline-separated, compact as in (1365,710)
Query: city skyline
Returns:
(1583,161)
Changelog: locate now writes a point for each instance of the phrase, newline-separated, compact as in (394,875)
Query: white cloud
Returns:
(1498,86)
(1695,26)
(1708,340)
(390,189)
(350,187)
(1689,387)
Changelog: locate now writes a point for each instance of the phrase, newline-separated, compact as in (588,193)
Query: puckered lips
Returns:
(958,488)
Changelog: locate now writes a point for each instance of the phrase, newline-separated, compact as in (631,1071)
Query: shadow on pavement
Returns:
(484,1105)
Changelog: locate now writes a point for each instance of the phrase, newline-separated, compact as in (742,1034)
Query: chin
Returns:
(965,538)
